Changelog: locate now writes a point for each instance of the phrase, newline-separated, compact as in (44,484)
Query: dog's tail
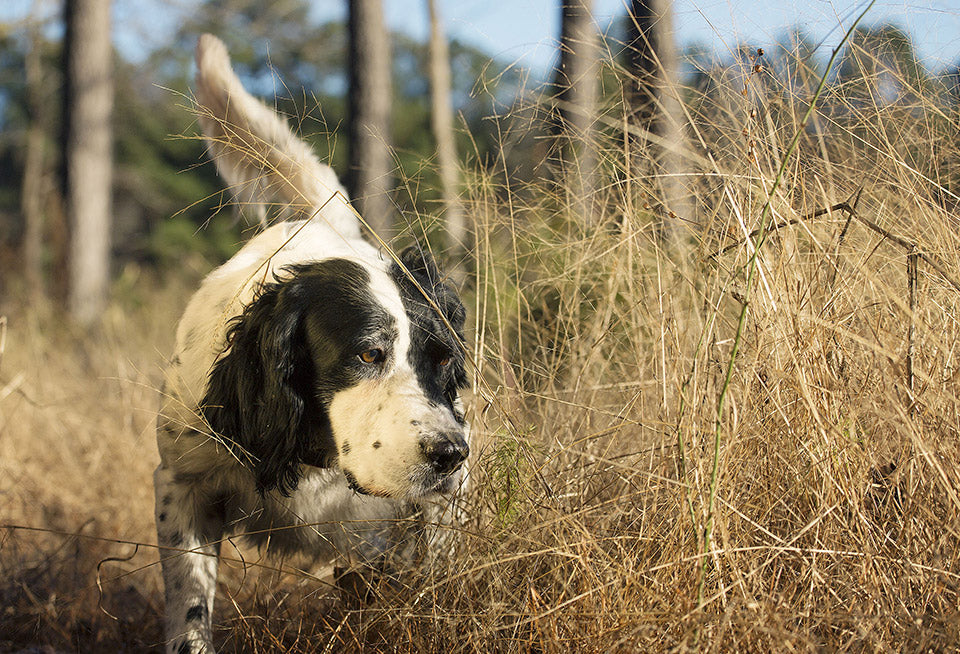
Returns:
(256,152)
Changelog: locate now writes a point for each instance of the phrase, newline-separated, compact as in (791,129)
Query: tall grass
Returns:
(600,355)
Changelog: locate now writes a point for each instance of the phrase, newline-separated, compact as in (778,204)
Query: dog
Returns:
(312,404)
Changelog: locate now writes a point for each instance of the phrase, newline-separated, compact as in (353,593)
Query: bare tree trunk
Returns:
(32,187)
(441,122)
(369,179)
(577,79)
(655,106)
(88,154)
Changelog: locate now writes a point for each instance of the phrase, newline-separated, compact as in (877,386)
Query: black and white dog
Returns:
(312,403)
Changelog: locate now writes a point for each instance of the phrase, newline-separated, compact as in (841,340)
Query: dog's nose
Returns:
(446,452)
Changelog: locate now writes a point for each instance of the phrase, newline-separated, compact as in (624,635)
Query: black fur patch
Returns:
(184,648)
(431,340)
(291,349)
(196,612)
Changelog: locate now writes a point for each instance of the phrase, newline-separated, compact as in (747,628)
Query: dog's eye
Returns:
(444,360)
(372,356)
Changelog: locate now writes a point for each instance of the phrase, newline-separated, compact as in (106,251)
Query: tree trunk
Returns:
(88,154)
(441,122)
(577,80)
(654,101)
(369,179)
(32,187)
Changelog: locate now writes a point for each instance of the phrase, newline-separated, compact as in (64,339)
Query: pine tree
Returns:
(88,155)
(369,179)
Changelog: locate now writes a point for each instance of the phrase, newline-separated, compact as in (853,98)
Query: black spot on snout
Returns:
(354,484)
(376,445)
(346,447)
(197,612)
(162,517)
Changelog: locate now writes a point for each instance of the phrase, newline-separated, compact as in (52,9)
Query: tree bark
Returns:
(31,189)
(577,80)
(88,155)
(369,179)
(654,106)
(441,122)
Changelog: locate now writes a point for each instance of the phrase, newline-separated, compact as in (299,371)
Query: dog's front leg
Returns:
(189,529)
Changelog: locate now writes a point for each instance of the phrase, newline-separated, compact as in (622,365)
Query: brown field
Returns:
(829,484)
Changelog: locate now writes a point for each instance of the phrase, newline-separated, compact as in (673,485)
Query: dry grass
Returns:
(77,454)
(600,357)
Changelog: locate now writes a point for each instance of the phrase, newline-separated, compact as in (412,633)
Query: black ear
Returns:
(259,392)
(424,269)
(420,263)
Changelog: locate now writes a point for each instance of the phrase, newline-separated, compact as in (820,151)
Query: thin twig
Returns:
(911,248)
(850,214)
(111,559)
(842,206)
(834,261)
(850,208)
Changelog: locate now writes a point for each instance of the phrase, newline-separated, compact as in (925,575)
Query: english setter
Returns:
(312,404)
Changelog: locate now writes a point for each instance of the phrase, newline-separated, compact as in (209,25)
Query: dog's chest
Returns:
(323,516)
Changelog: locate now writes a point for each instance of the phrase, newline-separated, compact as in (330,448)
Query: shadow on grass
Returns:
(51,602)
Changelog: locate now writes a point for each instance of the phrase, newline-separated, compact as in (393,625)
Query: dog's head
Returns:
(338,362)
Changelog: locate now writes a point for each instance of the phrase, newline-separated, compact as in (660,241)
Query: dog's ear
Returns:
(420,263)
(424,269)
(259,396)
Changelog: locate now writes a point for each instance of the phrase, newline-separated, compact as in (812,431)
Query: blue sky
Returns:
(526,31)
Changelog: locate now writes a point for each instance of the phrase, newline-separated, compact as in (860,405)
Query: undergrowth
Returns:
(600,347)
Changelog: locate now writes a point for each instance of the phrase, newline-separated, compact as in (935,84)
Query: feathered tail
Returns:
(256,152)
